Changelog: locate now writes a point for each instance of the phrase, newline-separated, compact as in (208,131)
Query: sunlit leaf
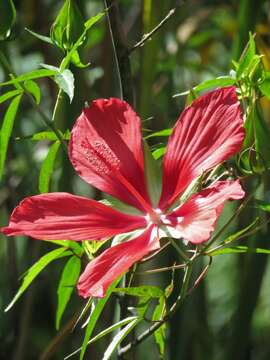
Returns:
(45,135)
(248,57)
(9,95)
(165,132)
(33,88)
(43,38)
(65,81)
(95,316)
(239,249)
(158,153)
(119,337)
(46,170)
(160,333)
(35,74)
(34,270)
(6,130)
(67,282)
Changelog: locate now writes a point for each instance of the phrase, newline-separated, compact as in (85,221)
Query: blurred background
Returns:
(228,316)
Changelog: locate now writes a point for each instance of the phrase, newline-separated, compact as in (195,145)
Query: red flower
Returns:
(106,151)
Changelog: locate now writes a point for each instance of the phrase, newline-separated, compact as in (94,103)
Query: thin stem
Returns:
(149,35)
(179,250)
(167,268)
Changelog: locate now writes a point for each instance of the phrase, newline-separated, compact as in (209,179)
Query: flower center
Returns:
(155,217)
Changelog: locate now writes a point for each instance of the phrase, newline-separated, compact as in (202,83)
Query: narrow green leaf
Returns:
(73,245)
(153,175)
(160,333)
(65,81)
(95,316)
(43,38)
(263,205)
(9,95)
(104,333)
(165,132)
(45,135)
(6,130)
(119,337)
(247,58)
(158,153)
(33,88)
(47,168)
(67,282)
(144,291)
(265,85)
(220,81)
(239,249)
(34,270)
(7,18)
(35,74)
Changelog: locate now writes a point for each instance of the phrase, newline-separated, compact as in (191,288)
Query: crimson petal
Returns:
(62,216)
(196,218)
(104,269)
(207,133)
(106,151)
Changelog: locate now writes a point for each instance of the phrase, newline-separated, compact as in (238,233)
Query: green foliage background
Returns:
(228,316)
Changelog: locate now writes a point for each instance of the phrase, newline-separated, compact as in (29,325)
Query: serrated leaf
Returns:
(35,270)
(6,130)
(7,18)
(95,316)
(43,38)
(67,282)
(9,95)
(46,170)
(65,81)
(119,337)
(35,74)
(153,176)
(142,291)
(33,88)
(239,249)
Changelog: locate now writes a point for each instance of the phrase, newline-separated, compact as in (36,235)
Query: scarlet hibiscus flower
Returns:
(106,151)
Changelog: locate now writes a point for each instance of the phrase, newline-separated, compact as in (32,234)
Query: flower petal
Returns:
(104,269)
(62,216)
(106,151)
(207,133)
(195,219)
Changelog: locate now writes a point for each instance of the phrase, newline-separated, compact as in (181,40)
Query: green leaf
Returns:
(153,176)
(45,135)
(47,168)
(33,88)
(7,18)
(34,270)
(67,282)
(35,74)
(73,245)
(241,233)
(6,130)
(158,153)
(87,25)
(95,316)
(265,85)
(65,81)
(247,59)
(68,25)
(43,38)
(93,246)
(263,205)
(160,333)
(165,132)
(9,95)
(119,337)
(239,249)
(220,81)
(76,60)
(104,333)
(142,291)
